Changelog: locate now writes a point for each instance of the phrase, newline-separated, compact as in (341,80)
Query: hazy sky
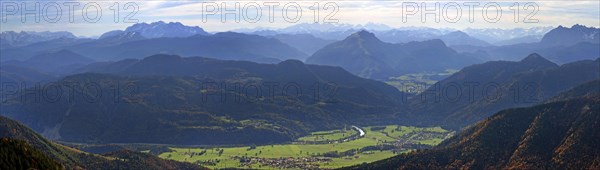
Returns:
(92,18)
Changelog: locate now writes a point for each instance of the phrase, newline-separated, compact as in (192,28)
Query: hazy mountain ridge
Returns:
(306,43)
(499,36)
(158,29)
(561,45)
(536,78)
(581,42)
(227,45)
(23,38)
(55,63)
(101,49)
(329,31)
(461,38)
(570,36)
(16,74)
(143,39)
(365,55)
(450,37)
(496,36)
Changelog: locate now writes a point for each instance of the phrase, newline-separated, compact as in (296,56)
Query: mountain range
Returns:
(499,36)
(363,54)
(226,45)
(561,45)
(495,36)
(523,98)
(451,38)
(305,38)
(329,31)
(171,103)
(14,39)
(158,29)
(564,36)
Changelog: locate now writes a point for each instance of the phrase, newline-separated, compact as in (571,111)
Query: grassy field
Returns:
(295,153)
(418,82)
(362,158)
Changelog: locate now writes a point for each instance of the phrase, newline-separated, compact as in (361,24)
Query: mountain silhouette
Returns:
(365,55)
(158,30)
(570,36)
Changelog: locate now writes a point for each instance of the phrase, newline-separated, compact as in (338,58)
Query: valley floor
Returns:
(322,150)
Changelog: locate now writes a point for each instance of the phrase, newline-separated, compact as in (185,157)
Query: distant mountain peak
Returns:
(291,63)
(565,36)
(364,32)
(231,34)
(163,29)
(532,56)
(536,59)
(118,36)
(462,38)
(458,33)
(23,38)
(578,26)
(364,35)
(435,43)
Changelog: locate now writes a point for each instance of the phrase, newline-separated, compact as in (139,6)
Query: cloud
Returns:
(551,13)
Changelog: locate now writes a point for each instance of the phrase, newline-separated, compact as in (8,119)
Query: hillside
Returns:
(478,91)
(20,155)
(57,62)
(195,100)
(36,151)
(586,89)
(556,135)
(14,78)
(16,74)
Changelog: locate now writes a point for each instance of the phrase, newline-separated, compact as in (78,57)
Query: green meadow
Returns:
(346,153)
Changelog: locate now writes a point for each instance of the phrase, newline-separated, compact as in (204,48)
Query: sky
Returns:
(92,18)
